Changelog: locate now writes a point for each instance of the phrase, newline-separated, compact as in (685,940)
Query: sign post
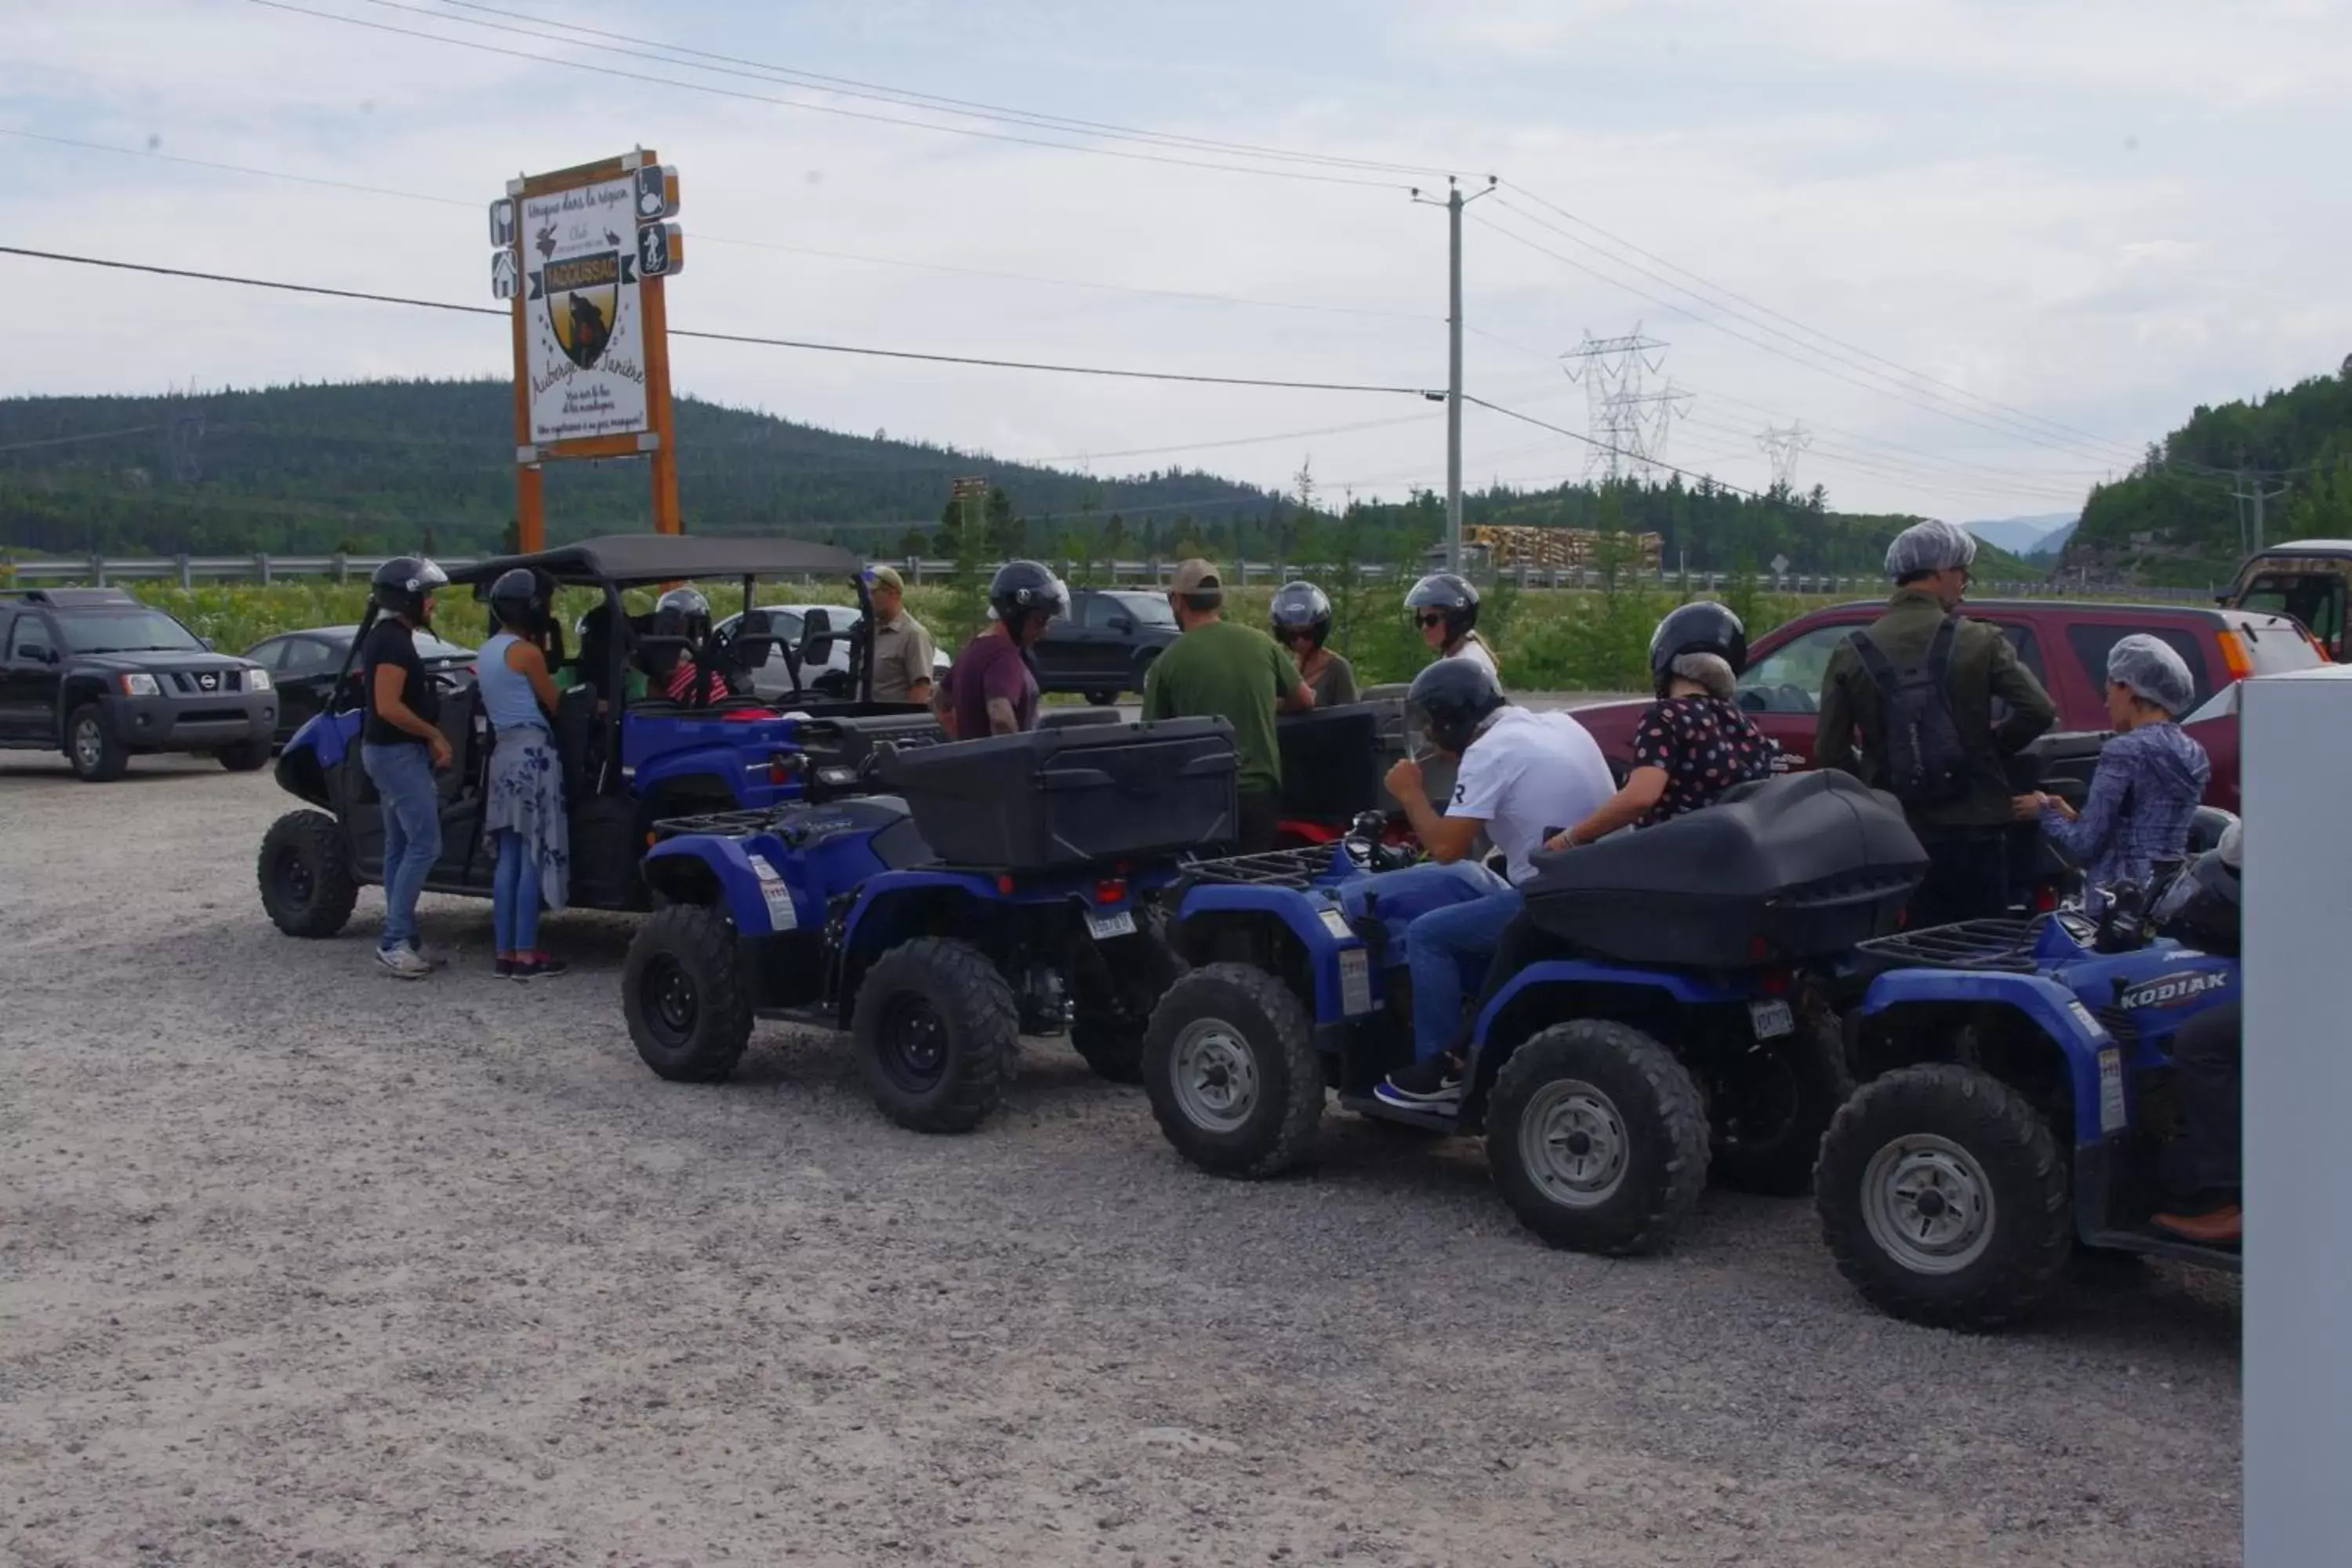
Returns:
(583,253)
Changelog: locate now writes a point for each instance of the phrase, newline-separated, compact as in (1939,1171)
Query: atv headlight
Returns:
(140,686)
(256,680)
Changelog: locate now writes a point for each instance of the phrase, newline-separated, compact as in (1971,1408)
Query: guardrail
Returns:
(188,569)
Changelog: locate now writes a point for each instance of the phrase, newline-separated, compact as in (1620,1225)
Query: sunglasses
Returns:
(1428,621)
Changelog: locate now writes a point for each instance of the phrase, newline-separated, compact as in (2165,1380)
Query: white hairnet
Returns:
(1712,672)
(1930,546)
(2152,669)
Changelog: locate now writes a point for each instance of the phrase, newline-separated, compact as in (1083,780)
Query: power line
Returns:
(70,440)
(1576,436)
(748,339)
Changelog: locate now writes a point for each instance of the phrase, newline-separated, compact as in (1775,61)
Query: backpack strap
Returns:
(1873,663)
(1939,652)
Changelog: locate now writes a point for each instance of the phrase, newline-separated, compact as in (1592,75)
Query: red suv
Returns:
(2064,643)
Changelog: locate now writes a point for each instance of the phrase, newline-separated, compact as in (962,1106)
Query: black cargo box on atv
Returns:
(1091,795)
(1801,867)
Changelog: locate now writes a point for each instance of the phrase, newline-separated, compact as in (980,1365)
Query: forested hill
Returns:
(379,466)
(2174,519)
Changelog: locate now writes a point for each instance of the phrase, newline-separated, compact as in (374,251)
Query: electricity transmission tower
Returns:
(1784,447)
(1629,421)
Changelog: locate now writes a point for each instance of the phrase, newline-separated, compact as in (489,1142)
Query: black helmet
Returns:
(1702,626)
(1026,587)
(682,612)
(2201,908)
(401,584)
(519,601)
(1301,608)
(1449,701)
(1450,593)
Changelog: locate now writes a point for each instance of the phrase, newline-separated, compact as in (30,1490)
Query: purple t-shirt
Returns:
(990,666)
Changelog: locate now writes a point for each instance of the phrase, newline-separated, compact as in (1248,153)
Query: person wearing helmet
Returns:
(1695,742)
(1221,670)
(990,688)
(1522,775)
(2202,909)
(1444,607)
(1301,621)
(401,746)
(693,673)
(2149,780)
(1907,707)
(523,816)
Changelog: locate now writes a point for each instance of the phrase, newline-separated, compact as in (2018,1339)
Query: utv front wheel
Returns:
(1772,1107)
(1597,1137)
(937,1029)
(1943,1196)
(306,884)
(682,996)
(1230,1066)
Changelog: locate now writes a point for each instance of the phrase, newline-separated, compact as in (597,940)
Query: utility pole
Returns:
(1454,202)
(2250,490)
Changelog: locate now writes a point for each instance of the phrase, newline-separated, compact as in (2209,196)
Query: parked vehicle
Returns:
(779,674)
(2064,643)
(304,667)
(2304,578)
(626,765)
(1671,1013)
(1105,644)
(95,674)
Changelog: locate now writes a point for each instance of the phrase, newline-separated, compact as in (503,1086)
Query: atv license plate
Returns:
(782,916)
(1120,923)
(2111,1090)
(1771,1020)
(1355,982)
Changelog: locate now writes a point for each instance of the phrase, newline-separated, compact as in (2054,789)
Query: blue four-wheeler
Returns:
(626,765)
(2020,1103)
(1662,1006)
(1000,887)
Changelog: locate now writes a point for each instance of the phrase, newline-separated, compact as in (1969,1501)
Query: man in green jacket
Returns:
(1236,673)
(1966,830)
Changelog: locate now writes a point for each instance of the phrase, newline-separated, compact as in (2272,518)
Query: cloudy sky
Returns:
(1983,251)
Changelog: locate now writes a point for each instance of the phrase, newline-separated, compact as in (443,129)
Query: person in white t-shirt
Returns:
(1522,777)
(1444,607)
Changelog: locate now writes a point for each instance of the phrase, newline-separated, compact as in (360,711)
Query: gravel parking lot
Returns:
(299,1263)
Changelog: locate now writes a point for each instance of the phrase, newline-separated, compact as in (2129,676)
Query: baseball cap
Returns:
(1196,576)
(886,577)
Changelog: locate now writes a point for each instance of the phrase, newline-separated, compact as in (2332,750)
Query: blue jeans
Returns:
(1440,945)
(514,895)
(411,832)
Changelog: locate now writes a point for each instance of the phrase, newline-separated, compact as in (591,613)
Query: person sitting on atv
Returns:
(698,674)
(1444,608)
(2149,780)
(990,688)
(1301,621)
(2202,909)
(1522,775)
(1695,742)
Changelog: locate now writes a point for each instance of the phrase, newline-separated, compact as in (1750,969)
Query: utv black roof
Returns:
(629,559)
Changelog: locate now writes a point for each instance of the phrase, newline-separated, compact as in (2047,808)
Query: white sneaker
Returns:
(403,961)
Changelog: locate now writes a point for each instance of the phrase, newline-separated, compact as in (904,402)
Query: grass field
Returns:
(1547,639)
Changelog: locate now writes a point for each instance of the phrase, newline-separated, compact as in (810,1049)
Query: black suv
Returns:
(95,674)
(1110,639)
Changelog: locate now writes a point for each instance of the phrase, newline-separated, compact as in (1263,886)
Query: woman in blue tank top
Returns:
(524,818)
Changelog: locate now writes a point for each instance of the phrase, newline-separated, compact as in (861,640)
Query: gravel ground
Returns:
(302,1265)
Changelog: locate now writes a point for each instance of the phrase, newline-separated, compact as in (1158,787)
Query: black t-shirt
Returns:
(391,643)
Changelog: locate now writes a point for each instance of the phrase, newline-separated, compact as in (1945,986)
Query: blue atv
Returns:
(995,887)
(2019,1108)
(1660,1007)
(626,765)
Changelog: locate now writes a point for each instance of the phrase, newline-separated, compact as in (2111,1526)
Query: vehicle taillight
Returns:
(1005,886)
(2234,658)
(2045,899)
(1110,891)
(1776,982)
(783,767)
(2321,648)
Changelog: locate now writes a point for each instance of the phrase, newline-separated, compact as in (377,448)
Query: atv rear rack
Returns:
(719,824)
(1269,869)
(2003,943)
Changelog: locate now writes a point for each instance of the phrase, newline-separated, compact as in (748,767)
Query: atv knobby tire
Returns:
(1230,1066)
(306,885)
(245,756)
(1598,1138)
(1944,1196)
(1770,1112)
(685,1002)
(937,1033)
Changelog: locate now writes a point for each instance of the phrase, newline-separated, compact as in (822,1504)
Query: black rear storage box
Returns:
(1084,795)
(1331,762)
(1801,867)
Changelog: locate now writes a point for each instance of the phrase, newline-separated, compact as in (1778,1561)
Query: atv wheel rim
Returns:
(672,1007)
(1216,1076)
(913,1043)
(1573,1144)
(1928,1204)
(89,746)
(294,877)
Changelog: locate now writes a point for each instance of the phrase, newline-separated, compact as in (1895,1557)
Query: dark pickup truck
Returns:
(2063,642)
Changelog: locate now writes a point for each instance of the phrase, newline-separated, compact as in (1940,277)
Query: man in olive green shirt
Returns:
(902,647)
(1217,669)
(1967,838)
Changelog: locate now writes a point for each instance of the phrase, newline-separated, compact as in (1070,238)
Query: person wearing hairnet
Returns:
(1907,707)
(2149,779)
